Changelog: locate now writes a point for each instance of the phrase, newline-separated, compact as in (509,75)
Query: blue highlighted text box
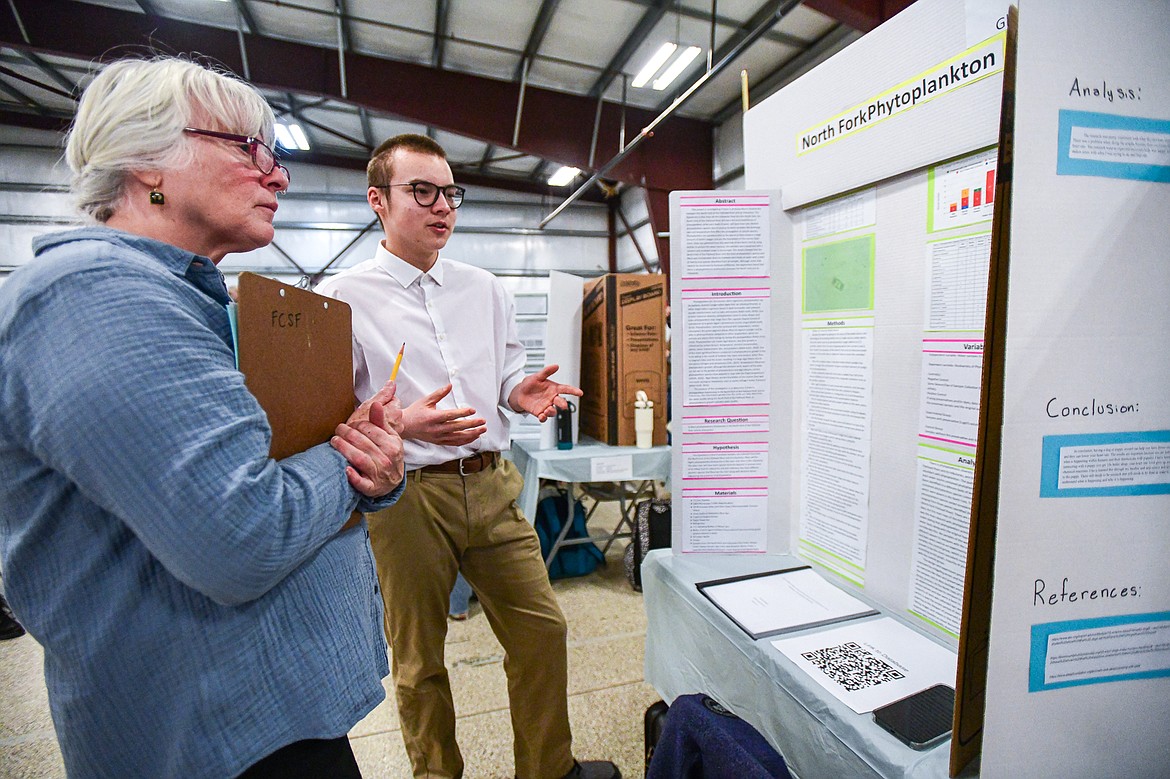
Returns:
(1101,464)
(1113,146)
(1096,651)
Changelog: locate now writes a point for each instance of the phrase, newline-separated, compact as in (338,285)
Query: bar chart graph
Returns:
(962,192)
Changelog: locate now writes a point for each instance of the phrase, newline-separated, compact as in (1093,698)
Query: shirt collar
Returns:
(197,269)
(402,271)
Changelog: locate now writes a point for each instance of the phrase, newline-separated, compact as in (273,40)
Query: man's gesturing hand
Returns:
(539,396)
(423,420)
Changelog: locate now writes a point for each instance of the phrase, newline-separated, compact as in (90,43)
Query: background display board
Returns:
(1078,677)
(563,344)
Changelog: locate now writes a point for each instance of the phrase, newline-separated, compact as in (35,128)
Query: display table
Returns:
(691,647)
(630,471)
(576,465)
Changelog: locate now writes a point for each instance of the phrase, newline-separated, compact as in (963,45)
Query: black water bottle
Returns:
(565,427)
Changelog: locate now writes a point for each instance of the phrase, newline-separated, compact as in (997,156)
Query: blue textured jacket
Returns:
(197,607)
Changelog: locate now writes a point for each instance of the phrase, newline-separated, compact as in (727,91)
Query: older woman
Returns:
(200,612)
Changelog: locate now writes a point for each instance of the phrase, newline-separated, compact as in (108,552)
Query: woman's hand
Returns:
(370,440)
(386,398)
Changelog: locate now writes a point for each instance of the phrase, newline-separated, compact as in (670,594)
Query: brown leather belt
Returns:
(473,464)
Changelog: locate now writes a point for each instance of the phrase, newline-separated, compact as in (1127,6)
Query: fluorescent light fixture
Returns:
(660,57)
(284,137)
(291,136)
(563,176)
(299,136)
(676,67)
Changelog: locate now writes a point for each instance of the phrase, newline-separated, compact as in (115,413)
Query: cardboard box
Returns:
(623,350)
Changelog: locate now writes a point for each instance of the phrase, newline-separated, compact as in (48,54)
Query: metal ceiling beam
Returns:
(536,35)
(828,44)
(361,148)
(343,26)
(344,40)
(535,38)
(32,81)
(630,232)
(21,97)
(861,15)
(438,49)
(768,15)
(246,15)
(467,175)
(488,152)
(294,110)
(45,121)
(678,102)
(658,209)
(367,128)
(635,39)
(656,196)
(49,71)
(677,157)
(539,171)
(429,34)
(705,16)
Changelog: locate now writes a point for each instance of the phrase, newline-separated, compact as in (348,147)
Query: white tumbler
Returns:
(643,421)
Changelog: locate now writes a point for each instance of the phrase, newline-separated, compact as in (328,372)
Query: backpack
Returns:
(651,531)
(575,559)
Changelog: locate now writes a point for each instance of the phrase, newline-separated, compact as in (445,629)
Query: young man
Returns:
(461,375)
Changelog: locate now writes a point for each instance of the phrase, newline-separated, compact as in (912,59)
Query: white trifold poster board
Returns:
(1078,680)
(828,402)
(829,320)
(562,344)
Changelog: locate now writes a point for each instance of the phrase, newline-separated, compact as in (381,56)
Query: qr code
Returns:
(852,666)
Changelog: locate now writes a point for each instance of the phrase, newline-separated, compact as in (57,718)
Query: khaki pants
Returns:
(441,524)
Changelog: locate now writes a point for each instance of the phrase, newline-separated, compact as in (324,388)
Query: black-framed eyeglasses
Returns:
(426,193)
(263,157)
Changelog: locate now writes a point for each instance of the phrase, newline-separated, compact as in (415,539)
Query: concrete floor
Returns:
(607,694)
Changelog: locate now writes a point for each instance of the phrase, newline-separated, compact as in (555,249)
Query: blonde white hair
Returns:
(131,117)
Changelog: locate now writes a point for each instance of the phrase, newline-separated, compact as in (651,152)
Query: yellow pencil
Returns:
(397,362)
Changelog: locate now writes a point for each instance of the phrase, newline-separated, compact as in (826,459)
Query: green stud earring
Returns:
(156,198)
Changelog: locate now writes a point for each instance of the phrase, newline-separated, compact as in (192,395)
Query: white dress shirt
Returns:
(459,326)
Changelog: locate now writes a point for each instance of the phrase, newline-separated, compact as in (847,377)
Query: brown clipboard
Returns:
(297,359)
(294,349)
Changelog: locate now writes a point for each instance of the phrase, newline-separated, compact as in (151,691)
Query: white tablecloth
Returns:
(691,647)
(575,466)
